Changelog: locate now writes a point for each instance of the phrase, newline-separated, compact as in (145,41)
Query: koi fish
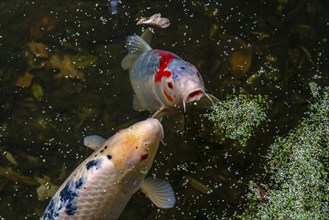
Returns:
(161,80)
(101,186)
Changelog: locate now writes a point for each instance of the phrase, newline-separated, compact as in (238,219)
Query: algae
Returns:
(236,117)
(298,169)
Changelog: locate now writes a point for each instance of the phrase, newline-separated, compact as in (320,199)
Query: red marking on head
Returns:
(169,97)
(136,147)
(170,85)
(144,156)
(165,58)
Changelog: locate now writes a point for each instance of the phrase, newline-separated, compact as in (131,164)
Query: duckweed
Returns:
(298,169)
(236,117)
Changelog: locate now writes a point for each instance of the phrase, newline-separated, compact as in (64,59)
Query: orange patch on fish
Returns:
(169,97)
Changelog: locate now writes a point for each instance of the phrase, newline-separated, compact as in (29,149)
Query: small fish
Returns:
(161,80)
(101,186)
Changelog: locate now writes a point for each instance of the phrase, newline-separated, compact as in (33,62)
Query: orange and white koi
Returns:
(101,186)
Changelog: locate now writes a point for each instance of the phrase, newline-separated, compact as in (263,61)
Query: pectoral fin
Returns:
(160,113)
(93,141)
(159,192)
(137,106)
(128,61)
(147,35)
(207,101)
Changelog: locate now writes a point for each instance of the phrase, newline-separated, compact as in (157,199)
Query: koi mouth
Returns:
(156,126)
(161,129)
(193,96)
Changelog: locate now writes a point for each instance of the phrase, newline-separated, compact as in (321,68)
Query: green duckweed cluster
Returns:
(298,168)
(237,117)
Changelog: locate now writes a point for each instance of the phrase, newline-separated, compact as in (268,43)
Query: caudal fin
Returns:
(136,46)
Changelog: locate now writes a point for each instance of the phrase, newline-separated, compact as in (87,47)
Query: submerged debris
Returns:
(36,55)
(46,189)
(25,80)
(66,68)
(38,49)
(155,20)
(42,27)
(37,92)
(12,175)
(197,185)
(81,61)
(10,157)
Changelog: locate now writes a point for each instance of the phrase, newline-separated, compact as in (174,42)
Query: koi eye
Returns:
(170,85)
(144,156)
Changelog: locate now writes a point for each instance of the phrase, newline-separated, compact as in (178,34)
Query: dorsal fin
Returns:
(147,35)
(94,141)
(136,46)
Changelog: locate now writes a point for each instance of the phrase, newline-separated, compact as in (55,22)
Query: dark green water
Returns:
(43,124)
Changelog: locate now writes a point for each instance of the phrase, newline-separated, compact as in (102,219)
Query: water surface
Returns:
(45,115)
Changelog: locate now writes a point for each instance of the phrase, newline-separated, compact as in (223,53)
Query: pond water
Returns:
(61,79)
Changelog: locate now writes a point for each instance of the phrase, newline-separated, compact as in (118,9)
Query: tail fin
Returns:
(136,46)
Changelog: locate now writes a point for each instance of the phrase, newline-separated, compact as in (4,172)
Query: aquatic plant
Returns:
(297,164)
(236,117)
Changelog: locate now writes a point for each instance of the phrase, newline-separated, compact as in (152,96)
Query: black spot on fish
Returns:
(51,212)
(79,183)
(105,147)
(68,196)
(183,68)
(109,157)
(94,163)
(102,151)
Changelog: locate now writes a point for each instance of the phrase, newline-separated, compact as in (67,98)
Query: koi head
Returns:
(181,84)
(135,147)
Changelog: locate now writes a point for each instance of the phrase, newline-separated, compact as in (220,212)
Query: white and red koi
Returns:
(101,186)
(161,80)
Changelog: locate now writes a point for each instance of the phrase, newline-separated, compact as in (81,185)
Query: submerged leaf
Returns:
(25,80)
(9,174)
(66,67)
(38,49)
(10,158)
(42,27)
(37,92)
(83,61)
(198,185)
(46,189)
